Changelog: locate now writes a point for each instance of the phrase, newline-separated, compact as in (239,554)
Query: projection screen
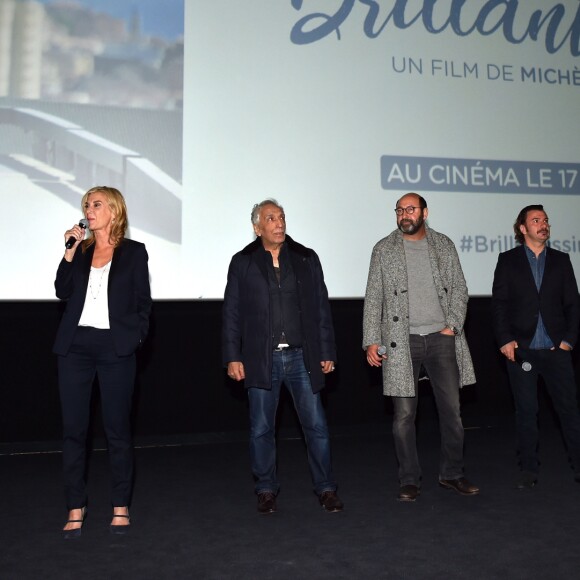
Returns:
(333,107)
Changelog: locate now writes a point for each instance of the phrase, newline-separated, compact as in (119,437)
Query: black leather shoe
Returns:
(330,501)
(409,493)
(527,480)
(460,485)
(266,502)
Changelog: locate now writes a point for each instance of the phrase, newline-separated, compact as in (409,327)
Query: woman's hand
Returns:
(75,232)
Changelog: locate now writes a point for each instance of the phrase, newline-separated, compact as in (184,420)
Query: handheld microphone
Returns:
(526,365)
(382,350)
(84,223)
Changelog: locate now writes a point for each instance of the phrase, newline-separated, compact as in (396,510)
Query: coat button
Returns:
(393,344)
(395,318)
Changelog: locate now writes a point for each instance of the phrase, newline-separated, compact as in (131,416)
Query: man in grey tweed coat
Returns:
(415,306)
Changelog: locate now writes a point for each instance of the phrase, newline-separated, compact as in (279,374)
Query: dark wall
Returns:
(182,387)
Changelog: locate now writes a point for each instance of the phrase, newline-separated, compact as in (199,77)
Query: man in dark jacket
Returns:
(535,316)
(277,328)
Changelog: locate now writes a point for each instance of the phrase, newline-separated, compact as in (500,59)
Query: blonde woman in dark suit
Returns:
(105,281)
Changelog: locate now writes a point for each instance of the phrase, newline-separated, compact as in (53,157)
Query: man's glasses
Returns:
(410,209)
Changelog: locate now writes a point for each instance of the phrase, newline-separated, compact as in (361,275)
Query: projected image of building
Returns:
(90,95)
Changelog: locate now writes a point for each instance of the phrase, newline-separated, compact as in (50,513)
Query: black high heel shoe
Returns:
(120,530)
(75,533)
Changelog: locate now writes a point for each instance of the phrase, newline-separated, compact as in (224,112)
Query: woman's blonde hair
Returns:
(117,204)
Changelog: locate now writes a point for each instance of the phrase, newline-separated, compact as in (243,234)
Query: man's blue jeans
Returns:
(556,368)
(288,368)
(436,353)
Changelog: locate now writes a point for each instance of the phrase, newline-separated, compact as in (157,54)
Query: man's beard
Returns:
(408,226)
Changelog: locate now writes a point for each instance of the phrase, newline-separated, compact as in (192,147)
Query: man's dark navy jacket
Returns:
(247,324)
(516,301)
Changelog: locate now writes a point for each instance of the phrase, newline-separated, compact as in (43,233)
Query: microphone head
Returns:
(84,223)
(524,364)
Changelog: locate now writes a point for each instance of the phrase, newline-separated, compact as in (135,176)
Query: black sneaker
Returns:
(527,480)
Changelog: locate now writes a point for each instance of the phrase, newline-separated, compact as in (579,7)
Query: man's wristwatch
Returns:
(453,329)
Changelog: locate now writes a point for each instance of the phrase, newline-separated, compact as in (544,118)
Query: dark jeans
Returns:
(436,353)
(92,353)
(288,368)
(555,366)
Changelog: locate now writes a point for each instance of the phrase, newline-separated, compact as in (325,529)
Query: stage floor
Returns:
(194,514)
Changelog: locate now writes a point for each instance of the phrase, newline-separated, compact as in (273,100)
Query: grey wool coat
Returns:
(386,308)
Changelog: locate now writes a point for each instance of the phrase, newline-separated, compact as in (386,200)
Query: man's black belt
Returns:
(281,348)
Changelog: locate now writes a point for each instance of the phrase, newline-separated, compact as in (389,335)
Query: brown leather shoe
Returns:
(266,502)
(460,485)
(409,492)
(330,501)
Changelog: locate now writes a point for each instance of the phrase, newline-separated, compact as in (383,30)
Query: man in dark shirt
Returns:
(277,328)
(535,316)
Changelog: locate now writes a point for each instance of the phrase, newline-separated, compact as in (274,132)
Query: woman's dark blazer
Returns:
(128,293)
(516,301)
